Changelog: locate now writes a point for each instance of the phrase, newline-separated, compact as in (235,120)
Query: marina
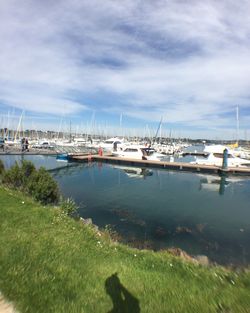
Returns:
(125,156)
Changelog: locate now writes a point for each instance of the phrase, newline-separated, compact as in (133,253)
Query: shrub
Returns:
(27,169)
(43,187)
(37,183)
(18,176)
(13,177)
(68,206)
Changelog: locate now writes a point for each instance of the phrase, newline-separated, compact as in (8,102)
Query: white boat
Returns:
(12,142)
(112,143)
(139,153)
(43,144)
(65,143)
(80,141)
(242,153)
(213,155)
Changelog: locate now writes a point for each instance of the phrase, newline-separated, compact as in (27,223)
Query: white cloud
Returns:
(188,61)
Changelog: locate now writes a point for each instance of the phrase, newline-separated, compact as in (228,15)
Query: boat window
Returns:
(148,151)
(130,150)
(218,155)
(109,142)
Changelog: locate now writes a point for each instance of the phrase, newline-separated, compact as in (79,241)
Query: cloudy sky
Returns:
(187,62)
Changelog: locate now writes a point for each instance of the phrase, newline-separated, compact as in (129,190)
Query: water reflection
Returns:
(217,183)
(135,172)
(68,169)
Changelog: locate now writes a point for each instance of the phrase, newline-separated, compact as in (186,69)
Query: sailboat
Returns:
(239,151)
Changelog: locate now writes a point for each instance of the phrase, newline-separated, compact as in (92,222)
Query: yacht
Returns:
(139,153)
(112,143)
(213,155)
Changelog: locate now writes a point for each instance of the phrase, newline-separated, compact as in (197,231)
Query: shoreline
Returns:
(64,265)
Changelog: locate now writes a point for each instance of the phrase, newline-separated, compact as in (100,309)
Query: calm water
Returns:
(202,214)
(47,161)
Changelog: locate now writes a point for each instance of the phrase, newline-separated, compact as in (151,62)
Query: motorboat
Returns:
(112,144)
(213,155)
(63,157)
(242,153)
(139,153)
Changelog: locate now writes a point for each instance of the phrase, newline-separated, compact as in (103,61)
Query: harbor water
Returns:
(158,209)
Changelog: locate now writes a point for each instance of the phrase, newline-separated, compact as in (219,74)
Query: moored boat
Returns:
(213,155)
(139,153)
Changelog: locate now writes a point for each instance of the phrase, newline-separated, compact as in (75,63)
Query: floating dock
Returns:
(187,167)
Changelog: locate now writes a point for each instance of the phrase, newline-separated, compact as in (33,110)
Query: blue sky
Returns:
(91,61)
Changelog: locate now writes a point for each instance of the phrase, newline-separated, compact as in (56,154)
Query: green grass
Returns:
(51,263)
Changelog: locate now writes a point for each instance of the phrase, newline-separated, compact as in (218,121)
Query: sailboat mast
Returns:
(159,126)
(69,131)
(237,124)
(18,131)
(121,132)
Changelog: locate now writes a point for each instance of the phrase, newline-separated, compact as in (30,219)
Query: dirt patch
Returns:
(6,307)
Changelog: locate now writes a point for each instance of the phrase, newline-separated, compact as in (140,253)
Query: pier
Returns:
(188,167)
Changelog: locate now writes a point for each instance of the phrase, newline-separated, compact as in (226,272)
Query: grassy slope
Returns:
(50,263)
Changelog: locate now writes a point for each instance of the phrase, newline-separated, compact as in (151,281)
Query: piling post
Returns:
(225,159)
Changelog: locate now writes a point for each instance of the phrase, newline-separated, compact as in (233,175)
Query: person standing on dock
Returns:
(26,145)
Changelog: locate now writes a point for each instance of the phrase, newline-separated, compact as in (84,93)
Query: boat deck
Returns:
(159,164)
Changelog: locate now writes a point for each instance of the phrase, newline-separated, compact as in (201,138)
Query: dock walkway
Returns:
(159,164)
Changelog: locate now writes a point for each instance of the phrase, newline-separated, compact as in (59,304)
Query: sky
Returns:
(125,65)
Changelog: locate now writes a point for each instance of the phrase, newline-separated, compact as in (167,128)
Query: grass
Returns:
(51,263)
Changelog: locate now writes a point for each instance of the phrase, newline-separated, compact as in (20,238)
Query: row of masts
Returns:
(93,130)
(90,130)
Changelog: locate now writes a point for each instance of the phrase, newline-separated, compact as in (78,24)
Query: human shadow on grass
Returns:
(123,300)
